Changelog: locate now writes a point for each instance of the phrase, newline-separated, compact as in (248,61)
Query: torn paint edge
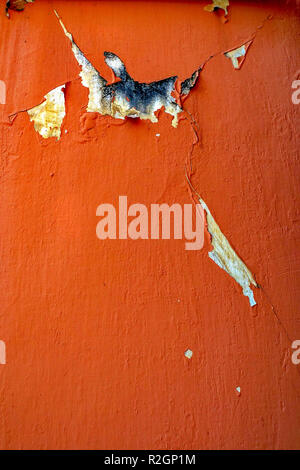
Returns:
(226,258)
(236,53)
(16,5)
(48,122)
(221,4)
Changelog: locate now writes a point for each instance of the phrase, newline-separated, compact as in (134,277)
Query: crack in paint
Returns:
(129,98)
(238,55)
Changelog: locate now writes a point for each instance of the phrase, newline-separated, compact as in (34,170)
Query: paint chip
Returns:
(222,4)
(226,258)
(188,353)
(48,116)
(237,56)
(238,391)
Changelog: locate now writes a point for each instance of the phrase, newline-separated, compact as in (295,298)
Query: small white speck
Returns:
(66,130)
(157,135)
(188,353)
(238,389)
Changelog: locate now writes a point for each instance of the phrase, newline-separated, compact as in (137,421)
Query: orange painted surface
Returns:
(96,331)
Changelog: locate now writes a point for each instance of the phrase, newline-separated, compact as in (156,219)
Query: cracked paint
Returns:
(73,300)
(237,55)
(226,258)
(222,4)
(127,97)
(48,116)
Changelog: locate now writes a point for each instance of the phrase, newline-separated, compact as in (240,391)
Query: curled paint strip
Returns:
(226,258)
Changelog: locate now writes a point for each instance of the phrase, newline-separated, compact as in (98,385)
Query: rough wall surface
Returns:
(96,330)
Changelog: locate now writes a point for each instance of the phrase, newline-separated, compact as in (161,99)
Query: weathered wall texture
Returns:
(96,331)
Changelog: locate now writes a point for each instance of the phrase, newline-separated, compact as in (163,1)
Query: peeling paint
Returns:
(188,353)
(190,82)
(48,116)
(127,97)
(17,5)
(237,55)
(226,258)
(222,4)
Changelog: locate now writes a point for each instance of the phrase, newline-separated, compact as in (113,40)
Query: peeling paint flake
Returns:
(17,5)
(127,97)
(237,56)
(188,353)
(48,116)
(226,258)
(190,82)
(223,4)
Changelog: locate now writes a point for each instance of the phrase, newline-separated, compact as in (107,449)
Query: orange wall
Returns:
(96,331)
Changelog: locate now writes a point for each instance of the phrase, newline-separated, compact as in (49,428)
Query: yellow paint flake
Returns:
(223,4)
(48,116)
(226,258)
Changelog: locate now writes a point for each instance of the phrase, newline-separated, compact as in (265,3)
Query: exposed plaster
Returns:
(48,116)
(127,97)
(226,258)
(223,4)
(237,55)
